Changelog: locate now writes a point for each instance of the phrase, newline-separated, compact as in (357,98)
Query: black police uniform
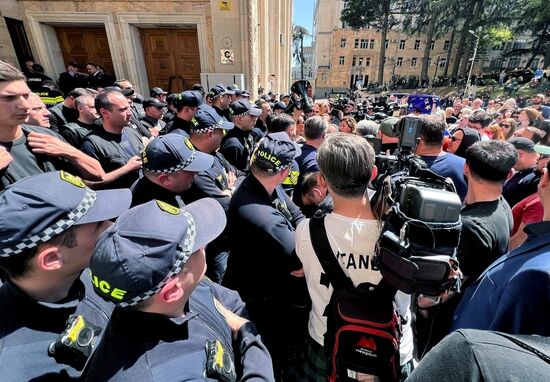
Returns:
(150,122)
(177,124)
(262,255)
(61,115)
(237,147)
(28,327)
(140,346)
(169,116)
(144,190)
(74,132)
(114,151)
(211,184)
(68,82)
(223,113)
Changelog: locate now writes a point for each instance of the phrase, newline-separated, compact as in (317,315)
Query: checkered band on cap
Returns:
(55,229)
(183,252)
(209,128)
(241,115)
(273,170)
(177,168)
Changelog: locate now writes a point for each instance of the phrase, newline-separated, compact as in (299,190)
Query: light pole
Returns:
(473,60)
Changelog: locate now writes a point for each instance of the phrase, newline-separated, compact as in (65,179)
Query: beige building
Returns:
(166,43)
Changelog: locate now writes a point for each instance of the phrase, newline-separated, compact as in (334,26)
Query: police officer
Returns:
(170,162)
(217,182)
(186,104)
(50,223)
(166,313)
(159,94)
(263,266)
(154,111)
(221,98)
(238,144)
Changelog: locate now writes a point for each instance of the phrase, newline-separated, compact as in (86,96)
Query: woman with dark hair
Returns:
(509,127)
(461,139)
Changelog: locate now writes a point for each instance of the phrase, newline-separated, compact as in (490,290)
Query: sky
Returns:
(303,15)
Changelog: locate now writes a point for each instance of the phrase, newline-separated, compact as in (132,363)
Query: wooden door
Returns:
(172,58)
(85,45)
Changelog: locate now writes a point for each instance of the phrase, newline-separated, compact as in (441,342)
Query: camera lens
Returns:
(85,337)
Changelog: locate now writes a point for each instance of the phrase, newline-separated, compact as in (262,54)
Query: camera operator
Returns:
(486,226)
(430,149)
(346,163)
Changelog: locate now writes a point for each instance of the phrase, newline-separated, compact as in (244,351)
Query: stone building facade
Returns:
(149,42)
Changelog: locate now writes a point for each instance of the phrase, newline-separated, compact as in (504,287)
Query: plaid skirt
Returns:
(316,363)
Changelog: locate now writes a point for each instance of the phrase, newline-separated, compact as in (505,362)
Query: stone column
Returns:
(253,51)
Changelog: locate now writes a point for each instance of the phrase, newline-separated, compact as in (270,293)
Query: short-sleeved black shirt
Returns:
(114,151)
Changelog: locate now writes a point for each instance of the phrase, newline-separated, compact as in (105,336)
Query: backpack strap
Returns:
(330,265)
(325,254)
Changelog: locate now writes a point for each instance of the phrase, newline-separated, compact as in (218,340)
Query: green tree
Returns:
(298,34)
(379,14)
(534,17)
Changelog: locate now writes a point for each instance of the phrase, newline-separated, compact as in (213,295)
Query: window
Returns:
(535,63)
(387,43)
(371,45)
(499,47)
(341,60)
(399,61)
(447,45)
(353,61)
(432,44)
(324,77)
(514,62)
(416,44)
(402,44)
(343,43)
(360,61)
(413,62)
(442,62)
(364,43)
(356,43)
(367,61)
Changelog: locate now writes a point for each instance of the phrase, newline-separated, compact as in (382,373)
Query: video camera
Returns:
(421,211)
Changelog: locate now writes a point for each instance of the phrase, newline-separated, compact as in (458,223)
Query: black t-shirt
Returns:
(486,228)
(177,124)
(114,151)
(237,148)
(25,163)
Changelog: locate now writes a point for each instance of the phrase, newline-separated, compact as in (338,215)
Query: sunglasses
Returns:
(454,139)
(505,125)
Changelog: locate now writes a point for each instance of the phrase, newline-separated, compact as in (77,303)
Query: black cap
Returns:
(275,152)
(220,90)
(155,92)
(152,102)
(245,94)
(208,119)
(243,107)
(189,98)
(279,106)
(522,143)
(235,89)
(172,153)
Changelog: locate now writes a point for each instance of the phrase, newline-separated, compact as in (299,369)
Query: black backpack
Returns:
(363,328)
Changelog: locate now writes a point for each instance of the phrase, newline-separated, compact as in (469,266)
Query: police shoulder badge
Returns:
(189,144)
(69,178)
(172,210)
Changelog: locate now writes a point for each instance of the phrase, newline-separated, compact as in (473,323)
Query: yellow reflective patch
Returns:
(69,178)
(172,210)
(105,288)
(189,144)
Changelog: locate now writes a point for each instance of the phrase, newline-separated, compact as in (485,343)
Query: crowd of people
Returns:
(169,237)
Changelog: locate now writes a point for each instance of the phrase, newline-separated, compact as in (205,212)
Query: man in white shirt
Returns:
(346,162)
